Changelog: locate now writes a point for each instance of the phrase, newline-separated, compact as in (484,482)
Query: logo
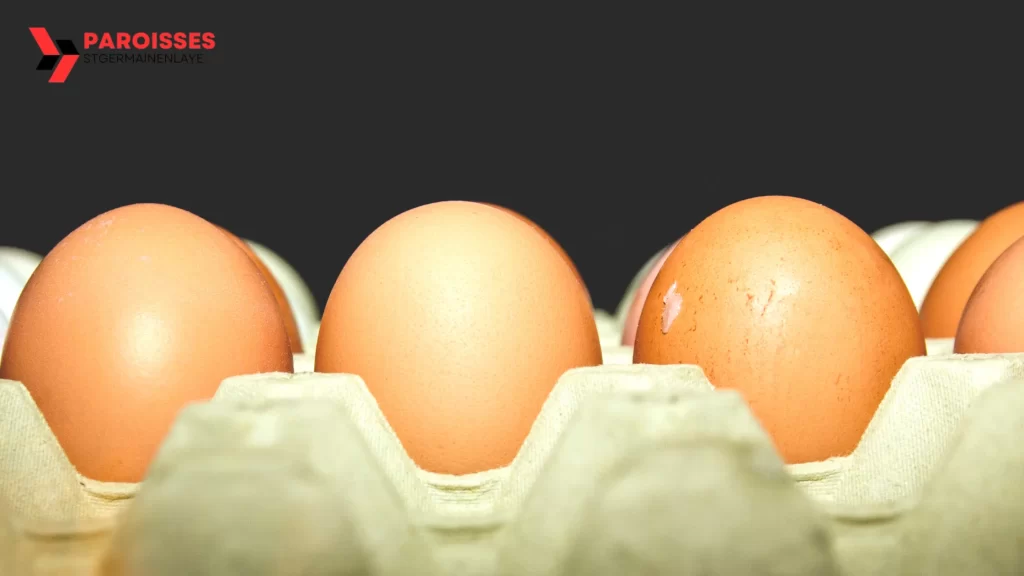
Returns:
(59,57)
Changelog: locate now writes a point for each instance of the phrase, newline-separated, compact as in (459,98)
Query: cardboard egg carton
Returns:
(624,463)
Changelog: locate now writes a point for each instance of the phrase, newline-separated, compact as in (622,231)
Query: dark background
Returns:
(312,124)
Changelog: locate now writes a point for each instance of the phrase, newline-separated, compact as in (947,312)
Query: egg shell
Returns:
(948,294)
(3,329)
(136,313)
(793,305)
(633,316)
(460,318)
(921,257)
(622,310)
(23,262)
(554,243)
(16,267)
(993,319)
(892,237)
(10,288)
(300,297)
(290,325)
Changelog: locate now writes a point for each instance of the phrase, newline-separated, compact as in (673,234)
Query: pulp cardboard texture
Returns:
(968,519)
(7,540)
(628,469)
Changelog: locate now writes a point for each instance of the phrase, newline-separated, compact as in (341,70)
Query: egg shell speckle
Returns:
(793,305)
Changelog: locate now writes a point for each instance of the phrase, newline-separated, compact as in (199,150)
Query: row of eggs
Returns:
(461,316)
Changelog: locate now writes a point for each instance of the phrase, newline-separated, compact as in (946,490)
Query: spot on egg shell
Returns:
(805,316)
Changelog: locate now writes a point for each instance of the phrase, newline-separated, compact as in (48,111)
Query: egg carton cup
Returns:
(304,470)
(55,549)
(36,479)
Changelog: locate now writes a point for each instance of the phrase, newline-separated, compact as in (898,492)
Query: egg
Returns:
(460,318)
(282,301)
(622,310)
(795,307)
(300,298)
(136,313)
(633,316)
(22,262)
(948,294)
(993,318)
(8,292)
(892,237)
(16,267)
(10,288)
(554,243)
(920,258)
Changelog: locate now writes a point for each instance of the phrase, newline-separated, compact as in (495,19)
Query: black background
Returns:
(312,124)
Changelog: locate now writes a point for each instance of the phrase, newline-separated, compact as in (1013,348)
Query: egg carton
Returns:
(624,463)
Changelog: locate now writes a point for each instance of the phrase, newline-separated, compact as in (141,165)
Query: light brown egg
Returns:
(993,320)
(550,239)
(282,301)
(460,318)
(136,313)
(794,306)
(633,316)
(948,294)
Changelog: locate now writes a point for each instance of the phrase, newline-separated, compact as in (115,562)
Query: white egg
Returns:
(893,236)
(16,267)
(10,288)
(920,259)
(627,299)
(22,262)
(607,328)
(298,294)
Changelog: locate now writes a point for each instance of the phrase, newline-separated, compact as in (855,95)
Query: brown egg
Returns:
(993,320)
(794,306)
(633,316)
(460,318)
(948,294)
(136,313)
(282,301)
(549,238)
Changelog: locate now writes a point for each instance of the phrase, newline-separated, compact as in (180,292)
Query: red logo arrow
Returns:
(60,61)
